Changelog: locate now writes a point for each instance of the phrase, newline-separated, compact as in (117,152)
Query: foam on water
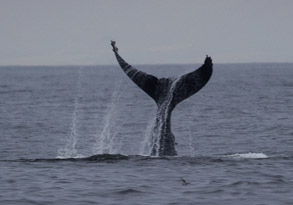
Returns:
(249,155)
(76,156)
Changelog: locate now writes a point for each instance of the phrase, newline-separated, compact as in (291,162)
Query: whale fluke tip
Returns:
(113,44)
(208,60)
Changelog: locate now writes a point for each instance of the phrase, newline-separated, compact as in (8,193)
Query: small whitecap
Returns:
(249,155)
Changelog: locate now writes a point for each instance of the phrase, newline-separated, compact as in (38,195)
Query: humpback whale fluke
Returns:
(167,93)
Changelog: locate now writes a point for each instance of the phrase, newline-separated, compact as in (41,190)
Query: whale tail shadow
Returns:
(167,93)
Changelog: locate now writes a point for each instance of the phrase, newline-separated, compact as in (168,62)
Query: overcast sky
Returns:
(54,32)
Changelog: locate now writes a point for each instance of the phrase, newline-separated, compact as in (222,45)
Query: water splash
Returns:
(162,119)
(105,141)
(69,151)
(147,144)
(158,126)
(191,148)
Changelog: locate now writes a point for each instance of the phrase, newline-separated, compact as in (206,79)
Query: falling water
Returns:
(191,149)
(105,141)
(69,151)
(157,127)
(147,144)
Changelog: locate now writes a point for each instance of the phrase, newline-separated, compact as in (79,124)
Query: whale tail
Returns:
(167,93)
(186,86)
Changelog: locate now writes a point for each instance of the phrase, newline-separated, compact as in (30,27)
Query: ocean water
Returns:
(79,135)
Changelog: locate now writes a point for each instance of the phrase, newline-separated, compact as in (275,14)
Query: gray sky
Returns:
(54,32)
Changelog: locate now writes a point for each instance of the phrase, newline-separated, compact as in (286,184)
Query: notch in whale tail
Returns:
(186,86)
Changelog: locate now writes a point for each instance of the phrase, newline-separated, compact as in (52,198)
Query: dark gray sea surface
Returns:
(80,135)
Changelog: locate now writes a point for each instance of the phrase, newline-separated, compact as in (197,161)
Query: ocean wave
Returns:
(137,158)
(93,158)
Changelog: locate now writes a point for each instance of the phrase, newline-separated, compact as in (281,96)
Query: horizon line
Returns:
(140,64)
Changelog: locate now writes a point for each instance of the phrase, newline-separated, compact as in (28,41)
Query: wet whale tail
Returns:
(167,93)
